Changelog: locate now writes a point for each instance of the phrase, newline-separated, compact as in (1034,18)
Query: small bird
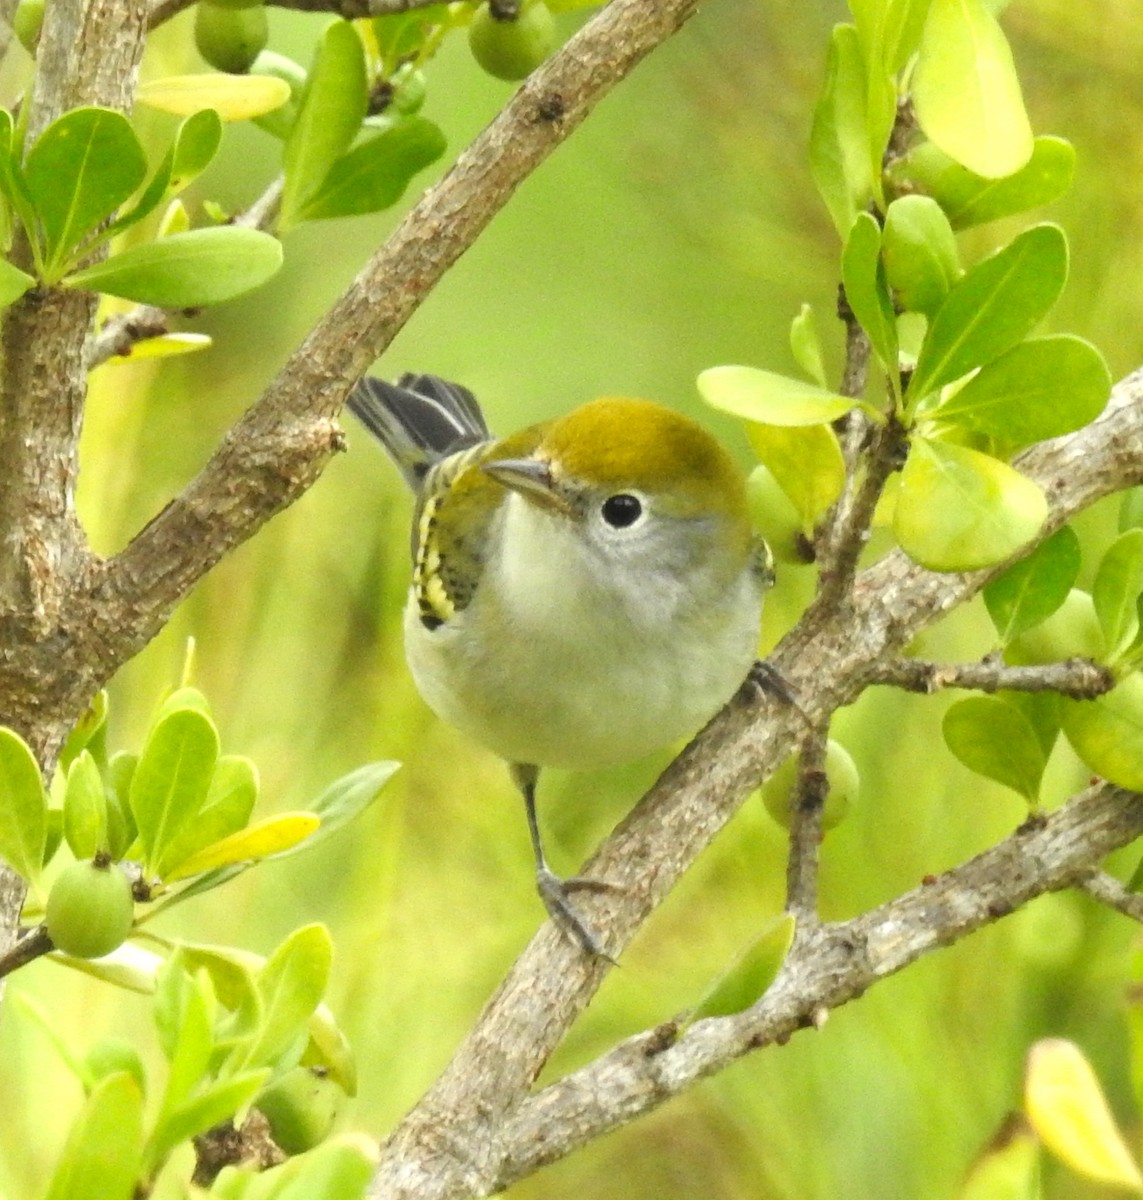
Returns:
(584,592)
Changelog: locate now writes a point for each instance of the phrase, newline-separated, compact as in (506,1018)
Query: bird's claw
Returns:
(554,892)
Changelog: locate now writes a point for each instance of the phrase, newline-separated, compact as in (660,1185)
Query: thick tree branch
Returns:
(450,1145)
(827,967)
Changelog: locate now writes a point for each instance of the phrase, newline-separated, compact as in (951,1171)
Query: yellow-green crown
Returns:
(619,442)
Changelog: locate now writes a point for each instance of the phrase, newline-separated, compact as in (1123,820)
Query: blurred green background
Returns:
(678,229)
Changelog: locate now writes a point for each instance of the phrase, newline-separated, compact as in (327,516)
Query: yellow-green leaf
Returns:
(233,97)
(1067,1108)
(263,838)
(807,463)
(752,973)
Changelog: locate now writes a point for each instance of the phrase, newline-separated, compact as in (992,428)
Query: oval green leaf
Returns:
(233,97)
(995,306)
(1107,732)
(291,984)
(186,270)
(84,165)
(374,175)
(966,92)
(920,254)
(226,810)
(331,110)
(23,807)
(1073,629)
(867,292)
(754,971)
(171,782)
(806,345)
(85,808)
(1041,388)
(995,739)
(959,510)
(1035,587)
(1068,1110)
(13,283)
(970,199)
(345,799)
(1116,590)
(839,157)
(770,398)
(807,463)
(102,1157)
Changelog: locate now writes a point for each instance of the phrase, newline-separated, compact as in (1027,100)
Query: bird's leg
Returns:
(554,891)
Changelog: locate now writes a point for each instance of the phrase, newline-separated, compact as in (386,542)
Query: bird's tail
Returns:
(419,420)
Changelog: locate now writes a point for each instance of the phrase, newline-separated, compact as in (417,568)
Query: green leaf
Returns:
(14,186)
(755,970)
(995,739)
(339,1169)
(185,270)
(1107,732)
(1116,591)
(292,984)
(1035,587)
(172,779)
(229,802)
(959,510)
(1041,388)
(329,1048)
(23,807)
(85,808)
(839,157)
(345,799)
(1068,1110)
(1073,629)
(1009,1169)
(13,283)
(374,175)
(266,838)
(806,345)
(92,722)
(218,1102)
(121,827)
(196,143)
(84,165)
(130,967)
(995,306)
(966,92)
(867,292)
(970,199)
(770,398)
(332,108)
(233,97)
(807,464)
(101,1160)
(919,253)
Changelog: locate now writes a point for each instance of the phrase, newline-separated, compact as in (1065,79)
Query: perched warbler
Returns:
(583,592)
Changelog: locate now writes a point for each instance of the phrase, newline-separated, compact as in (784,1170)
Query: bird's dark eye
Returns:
(621,510)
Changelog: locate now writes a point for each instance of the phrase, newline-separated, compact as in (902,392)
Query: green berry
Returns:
(27,23)
(229,38)
(89,910)
(301,1108)
(512,49)
(841,775)
(409,90)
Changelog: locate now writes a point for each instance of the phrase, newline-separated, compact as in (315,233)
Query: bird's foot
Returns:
(555,893)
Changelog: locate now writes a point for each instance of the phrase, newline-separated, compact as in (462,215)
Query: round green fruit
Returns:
(27,22)
(301,1107)
(841,775)
(229,38)
(512,49)
(409,91)
(89,910)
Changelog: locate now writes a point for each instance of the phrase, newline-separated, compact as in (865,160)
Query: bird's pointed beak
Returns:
(531,478)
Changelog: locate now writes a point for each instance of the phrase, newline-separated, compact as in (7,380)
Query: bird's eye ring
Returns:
(621,510)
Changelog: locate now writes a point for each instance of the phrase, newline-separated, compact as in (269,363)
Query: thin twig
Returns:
(26,949)
(351,10)
(1108,890)
(1079,678)
(806,831)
